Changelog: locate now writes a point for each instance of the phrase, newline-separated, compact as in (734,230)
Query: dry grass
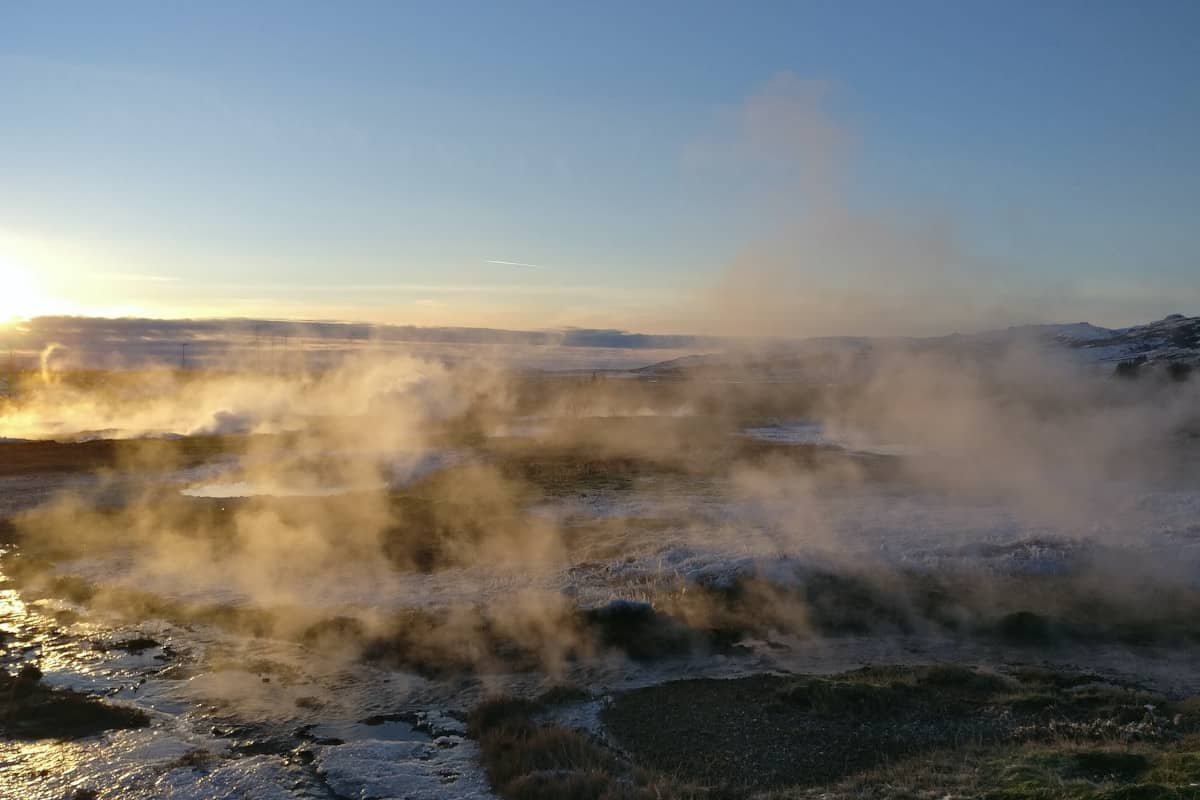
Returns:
(530,760)
(905,732)
(1048,771)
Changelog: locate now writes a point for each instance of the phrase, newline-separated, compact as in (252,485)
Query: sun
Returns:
(19,295)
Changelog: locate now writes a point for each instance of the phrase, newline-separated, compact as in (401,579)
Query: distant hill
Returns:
(100,343)
(1172,339)
(1171,344)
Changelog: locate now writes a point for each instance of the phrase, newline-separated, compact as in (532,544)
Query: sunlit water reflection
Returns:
(230,717)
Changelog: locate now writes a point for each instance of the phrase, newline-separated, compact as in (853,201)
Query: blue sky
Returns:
(371,160)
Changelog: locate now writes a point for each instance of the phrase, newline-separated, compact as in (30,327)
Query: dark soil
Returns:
(27,458)
(136,645)
(32,710)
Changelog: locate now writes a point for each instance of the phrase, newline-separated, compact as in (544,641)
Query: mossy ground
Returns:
(880,732)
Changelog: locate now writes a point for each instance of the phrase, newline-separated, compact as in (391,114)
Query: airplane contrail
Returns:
(514,264)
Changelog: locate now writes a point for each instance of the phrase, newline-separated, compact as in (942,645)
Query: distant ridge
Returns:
(95,329)
(1173,342)
(104,343)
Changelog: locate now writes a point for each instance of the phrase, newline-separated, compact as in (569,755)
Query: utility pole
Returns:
(183,356)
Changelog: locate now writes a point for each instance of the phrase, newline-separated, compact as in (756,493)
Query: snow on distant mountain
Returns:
(1173,339)
(1173,342)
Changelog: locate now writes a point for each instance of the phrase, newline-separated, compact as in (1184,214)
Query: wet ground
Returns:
(660,578)
(193,713)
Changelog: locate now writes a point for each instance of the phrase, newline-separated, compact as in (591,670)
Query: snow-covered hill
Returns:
(1171,344)
(1172,339)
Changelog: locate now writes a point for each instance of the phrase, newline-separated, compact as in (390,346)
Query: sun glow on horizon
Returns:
(20,295)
